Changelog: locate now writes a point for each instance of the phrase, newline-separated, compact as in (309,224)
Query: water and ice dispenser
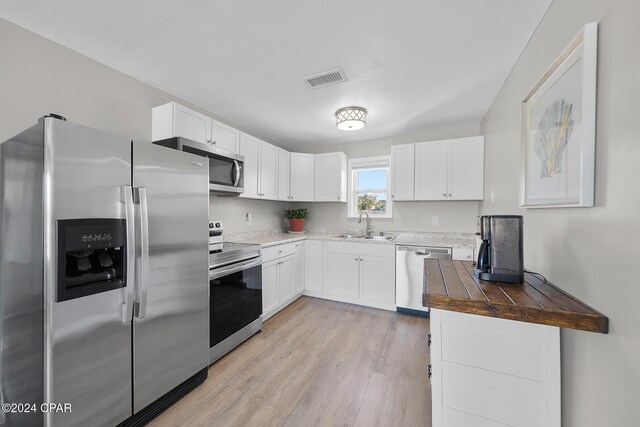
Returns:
(92,257)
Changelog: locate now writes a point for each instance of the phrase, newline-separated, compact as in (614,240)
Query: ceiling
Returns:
(416,65)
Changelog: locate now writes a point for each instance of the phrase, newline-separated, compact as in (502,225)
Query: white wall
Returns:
(453,216)
(265,214)
(591,253)
(40,77)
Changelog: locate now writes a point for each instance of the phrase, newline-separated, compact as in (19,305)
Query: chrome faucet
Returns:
(369,228)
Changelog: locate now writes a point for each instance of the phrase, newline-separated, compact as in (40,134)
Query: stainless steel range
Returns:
(215,235)
(235,280)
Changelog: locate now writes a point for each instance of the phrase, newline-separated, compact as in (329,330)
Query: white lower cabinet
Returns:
(299,267)
(342,274)
(281,272)
(285,279)
(313,267)
(493,372)
(360,273)
(463,254)
(270,288)
(377,281)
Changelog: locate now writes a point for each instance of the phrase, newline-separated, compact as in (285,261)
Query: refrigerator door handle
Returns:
(143,259)
(127,309)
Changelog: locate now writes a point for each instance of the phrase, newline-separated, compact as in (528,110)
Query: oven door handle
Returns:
(234,268)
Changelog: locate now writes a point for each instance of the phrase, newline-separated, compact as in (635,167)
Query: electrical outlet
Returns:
(248,218)
(434,220)
(493,196)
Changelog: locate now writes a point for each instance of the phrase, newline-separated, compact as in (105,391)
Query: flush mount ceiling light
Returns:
(351,118)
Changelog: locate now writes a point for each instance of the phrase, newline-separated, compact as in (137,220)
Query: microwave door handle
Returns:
(127,311)
(236,167)
(143,260)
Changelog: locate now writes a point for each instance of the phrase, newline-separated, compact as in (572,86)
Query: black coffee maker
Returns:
(500,258)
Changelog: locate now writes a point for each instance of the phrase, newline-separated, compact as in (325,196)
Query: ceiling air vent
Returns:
(326,78)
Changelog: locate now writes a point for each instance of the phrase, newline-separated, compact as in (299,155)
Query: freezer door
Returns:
(171,319)
(21,293)
(87,177)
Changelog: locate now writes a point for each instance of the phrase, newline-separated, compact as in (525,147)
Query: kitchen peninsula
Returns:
(495,347)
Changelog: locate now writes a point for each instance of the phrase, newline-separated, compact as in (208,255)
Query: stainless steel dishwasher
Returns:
(410,275)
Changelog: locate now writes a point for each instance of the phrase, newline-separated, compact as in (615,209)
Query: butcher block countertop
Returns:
(452,286)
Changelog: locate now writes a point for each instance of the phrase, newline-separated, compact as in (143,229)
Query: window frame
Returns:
(377,162)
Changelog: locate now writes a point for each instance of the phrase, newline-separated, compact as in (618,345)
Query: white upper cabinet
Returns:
(260,168)
(431,171)
(466,169)
(173,119)
(402,172)
(450,169)
(268,182)
(284,174)
(302,177)
(225,137)
(330,183)
(250,149)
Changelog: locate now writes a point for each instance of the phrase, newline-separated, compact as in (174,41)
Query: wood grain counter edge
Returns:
(579,316)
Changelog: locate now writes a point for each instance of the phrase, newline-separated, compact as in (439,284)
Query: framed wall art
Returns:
(558,129)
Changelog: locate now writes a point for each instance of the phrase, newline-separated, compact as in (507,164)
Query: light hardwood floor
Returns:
(318,363)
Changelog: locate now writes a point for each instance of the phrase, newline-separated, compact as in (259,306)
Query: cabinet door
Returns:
(302,175)
(378,281)
(463,254)
(286,285)
(341,275)
(402,172)
(284,171)
(225,137)
(330,177)
(431,170)
(466,169)
(191,124)
(250,149)
(270,291)
(268,181)
(313,266)
(299,268)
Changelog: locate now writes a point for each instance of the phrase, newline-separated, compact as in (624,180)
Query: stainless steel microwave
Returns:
(226,169)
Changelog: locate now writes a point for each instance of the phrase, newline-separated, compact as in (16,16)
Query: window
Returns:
(369,187)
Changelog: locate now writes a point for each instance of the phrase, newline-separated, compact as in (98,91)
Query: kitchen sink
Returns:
(379,237)
(350,236)
(362,237)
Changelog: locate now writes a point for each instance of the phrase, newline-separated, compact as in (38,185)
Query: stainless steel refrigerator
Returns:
(103,275)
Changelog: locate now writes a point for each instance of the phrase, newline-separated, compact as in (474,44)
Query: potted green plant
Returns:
(296,218)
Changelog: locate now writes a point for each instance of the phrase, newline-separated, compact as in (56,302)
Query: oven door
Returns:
(235,298)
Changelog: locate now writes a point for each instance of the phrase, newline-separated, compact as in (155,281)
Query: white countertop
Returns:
(270,238)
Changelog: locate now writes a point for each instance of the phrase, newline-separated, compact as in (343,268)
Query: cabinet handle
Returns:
(449,194)
(392,196)
(360,259)
(338,197)
(429,371)
(356,259)
(444,194)
(468,256)
(213,142)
